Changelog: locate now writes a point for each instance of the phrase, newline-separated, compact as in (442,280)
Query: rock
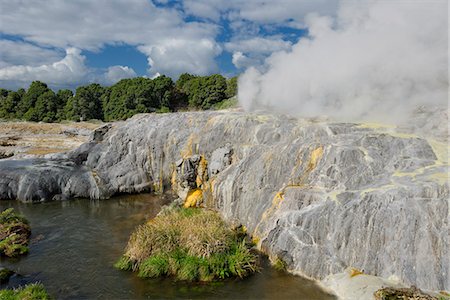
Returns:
(190,174)
(98,134)
(320,196)
(220,159)
(5,154)
(74,131)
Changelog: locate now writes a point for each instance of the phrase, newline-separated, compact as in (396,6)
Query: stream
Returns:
(75,243)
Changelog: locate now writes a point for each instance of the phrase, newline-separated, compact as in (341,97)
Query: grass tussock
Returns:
(14,233)
(35,291)
(279,264)
(189,244)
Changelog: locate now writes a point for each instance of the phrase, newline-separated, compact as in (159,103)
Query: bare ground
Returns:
(23,139)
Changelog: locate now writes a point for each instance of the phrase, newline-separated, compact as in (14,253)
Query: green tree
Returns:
(205,91)
(183,79)
(127,97)
(86,104)
(28,101)
(163,91)
(3,93)
(231,90)
(46,107)
(8,105)
(137,95)
(63,96)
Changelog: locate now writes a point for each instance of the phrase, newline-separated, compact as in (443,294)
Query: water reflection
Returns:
(75,243)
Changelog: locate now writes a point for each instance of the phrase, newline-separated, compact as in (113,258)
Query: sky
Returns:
(68,43)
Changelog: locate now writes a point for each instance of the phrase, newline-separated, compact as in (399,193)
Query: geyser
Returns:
(373,61)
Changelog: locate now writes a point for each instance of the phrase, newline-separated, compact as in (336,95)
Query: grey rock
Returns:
(321,196)
(220,159)
(98,134)
(187,172)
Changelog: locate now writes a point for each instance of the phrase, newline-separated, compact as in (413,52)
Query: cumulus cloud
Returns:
(259,45)
(116,73)
(175,56)
(376,60)
(22,53)
(90,25)
(70,69)
(240,60)
(87,24)
(279,12)
(253,51)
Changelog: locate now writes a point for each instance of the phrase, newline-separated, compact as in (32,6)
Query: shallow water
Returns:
(75,244)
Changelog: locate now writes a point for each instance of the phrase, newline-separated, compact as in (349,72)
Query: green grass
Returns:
(14,233)
(35,291)
(189,244)
(279,264)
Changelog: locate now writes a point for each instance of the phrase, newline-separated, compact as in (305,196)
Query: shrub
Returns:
(190,244)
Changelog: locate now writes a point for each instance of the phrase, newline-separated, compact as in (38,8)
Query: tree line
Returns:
(117,102)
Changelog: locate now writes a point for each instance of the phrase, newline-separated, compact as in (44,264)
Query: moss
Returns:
(188,244)
(35,291)
(5,274)
(14,233)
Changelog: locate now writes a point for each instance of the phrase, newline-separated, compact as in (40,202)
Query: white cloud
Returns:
(240,60)
(263,45)
(87,24)
(175,56)
(280,12)
(377,61)
(116,73)
(70,69)
(18,52)
(90,25)
(251,52)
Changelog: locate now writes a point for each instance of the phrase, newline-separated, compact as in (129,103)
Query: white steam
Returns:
(377,61)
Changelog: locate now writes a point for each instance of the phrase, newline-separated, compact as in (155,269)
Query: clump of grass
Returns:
(14,233)
(34,291)
(279,264)
(190,244)
(5,274)
(389,293)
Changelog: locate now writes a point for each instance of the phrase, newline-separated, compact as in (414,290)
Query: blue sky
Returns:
(67,43)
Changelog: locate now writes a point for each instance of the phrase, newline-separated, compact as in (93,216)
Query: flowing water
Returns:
(74,245)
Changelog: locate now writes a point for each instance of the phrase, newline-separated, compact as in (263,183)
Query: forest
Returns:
(119,101)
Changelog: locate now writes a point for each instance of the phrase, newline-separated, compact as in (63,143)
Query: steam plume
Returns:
(375,61)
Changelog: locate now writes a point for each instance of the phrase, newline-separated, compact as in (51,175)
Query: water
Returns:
(75,243)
